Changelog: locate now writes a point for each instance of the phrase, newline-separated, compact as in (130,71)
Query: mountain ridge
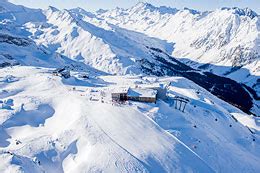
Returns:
(231,37)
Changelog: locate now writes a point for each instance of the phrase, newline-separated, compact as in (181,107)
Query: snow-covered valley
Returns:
(49,123)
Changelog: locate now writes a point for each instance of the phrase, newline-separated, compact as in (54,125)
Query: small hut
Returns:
(63,72)
(135,94)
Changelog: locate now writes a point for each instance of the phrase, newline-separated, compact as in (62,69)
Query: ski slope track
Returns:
(49,124)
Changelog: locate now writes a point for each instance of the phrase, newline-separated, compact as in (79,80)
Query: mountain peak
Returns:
(192,11)
(144,5)
(101,11)
(242,12)
(53,9)
(81,11)
(152,8)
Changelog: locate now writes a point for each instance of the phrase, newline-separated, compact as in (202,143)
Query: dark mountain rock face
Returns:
(4,38)
(224,88)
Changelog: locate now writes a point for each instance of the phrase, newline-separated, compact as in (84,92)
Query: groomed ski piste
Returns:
(51,124)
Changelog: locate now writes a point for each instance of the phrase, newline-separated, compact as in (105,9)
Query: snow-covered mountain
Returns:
(225,41)
(86,38)
(18,46)
(51,124)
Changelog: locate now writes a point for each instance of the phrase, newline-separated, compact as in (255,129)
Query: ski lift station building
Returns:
(120,94)
(145,94)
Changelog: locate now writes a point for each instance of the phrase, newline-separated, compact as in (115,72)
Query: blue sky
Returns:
(92,5)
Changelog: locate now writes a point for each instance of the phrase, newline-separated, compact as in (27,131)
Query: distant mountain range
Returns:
(225,41)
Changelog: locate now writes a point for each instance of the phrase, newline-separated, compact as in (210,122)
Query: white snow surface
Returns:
(50,124)
(71,125)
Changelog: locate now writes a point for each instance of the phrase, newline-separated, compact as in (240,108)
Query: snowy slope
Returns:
(18,45)
(39,133)
(104,47)
(82,137)
(224,41)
